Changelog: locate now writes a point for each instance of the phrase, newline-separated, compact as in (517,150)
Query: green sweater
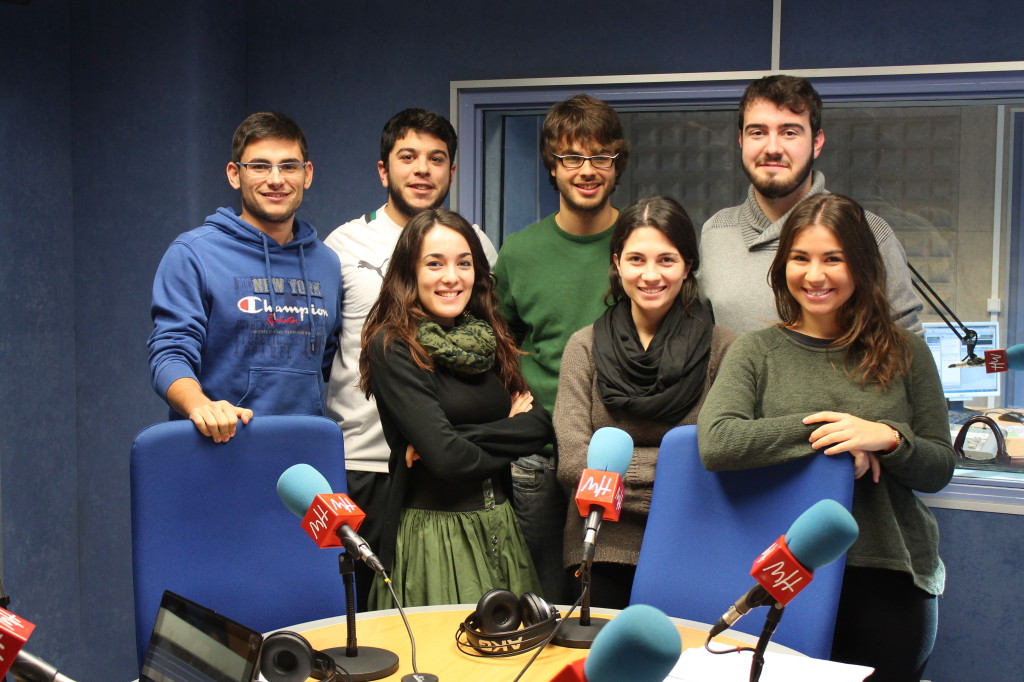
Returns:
(752,416)
(550,284)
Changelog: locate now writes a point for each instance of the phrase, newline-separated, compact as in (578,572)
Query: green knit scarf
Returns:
(468,347)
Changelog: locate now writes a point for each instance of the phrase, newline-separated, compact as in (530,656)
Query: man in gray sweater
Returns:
(780,135)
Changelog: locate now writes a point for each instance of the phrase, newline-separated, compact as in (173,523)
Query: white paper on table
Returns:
(700,665)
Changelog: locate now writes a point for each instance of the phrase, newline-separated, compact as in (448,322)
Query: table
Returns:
(434,628)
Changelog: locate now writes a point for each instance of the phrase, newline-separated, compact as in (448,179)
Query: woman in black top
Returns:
(456,411)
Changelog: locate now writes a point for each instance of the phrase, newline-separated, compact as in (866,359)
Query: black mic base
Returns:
(369,663)
(419,677)
(573,635)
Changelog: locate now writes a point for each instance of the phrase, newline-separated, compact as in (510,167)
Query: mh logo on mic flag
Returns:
(996,361)
(14,632)
(327,513)
(780,573)
(602,489)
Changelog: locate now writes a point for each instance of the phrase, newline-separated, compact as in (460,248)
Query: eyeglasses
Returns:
(262,170)
(572,161)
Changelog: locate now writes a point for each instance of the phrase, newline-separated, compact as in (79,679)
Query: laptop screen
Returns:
(191,643)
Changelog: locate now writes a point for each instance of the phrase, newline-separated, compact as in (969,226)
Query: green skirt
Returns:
(455,557)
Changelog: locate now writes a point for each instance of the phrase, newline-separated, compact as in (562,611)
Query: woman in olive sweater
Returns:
(838,376)
(643,367)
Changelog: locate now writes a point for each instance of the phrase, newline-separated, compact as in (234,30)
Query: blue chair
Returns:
(207,523)
(706,528)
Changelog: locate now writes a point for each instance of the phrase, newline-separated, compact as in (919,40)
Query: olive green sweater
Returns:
(752,416)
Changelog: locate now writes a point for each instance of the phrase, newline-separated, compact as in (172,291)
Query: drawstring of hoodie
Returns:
(309,298)
(270,279)
(305,281)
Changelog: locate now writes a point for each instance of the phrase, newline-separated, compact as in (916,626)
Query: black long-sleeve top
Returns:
(459,426)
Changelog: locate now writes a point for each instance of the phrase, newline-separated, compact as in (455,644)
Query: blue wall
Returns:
(115,123)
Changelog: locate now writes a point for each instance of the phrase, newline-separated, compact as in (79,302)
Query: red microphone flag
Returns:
(779,573)
(327,512)
(572,672)
(996,361)
(600,489)
(14,632)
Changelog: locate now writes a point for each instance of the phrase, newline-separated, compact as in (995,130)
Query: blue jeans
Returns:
(541,506)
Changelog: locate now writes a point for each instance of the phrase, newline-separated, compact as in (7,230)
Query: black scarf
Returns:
(663,382)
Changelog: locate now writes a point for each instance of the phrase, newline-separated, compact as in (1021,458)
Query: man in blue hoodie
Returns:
(246,307)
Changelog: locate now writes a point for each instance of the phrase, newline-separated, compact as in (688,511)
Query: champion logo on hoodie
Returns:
(254,305)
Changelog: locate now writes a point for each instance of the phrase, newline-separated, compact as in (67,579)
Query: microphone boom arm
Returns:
(969,337)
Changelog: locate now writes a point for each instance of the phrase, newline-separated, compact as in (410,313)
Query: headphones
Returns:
(961,436)
(288,657)
(493,629)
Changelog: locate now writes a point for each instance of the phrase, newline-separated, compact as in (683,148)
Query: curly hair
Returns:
(420,121)
(579,119)
(792,92)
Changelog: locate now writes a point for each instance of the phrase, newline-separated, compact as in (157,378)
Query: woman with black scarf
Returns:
(644,366)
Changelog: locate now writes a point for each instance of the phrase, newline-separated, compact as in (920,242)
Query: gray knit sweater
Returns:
(753,417)
(737,246)
(578,413)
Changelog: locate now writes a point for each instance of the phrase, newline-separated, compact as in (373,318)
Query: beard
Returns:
(777,188)
(589,206)
(396,199)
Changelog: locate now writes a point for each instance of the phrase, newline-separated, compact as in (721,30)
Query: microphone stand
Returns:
(969,337)
(579,633)
(771,621)
(366,663)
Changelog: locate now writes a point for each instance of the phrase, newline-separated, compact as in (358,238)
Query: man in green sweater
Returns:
(551,279)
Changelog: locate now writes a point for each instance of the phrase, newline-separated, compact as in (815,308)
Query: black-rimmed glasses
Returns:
(573,161)
(261,170)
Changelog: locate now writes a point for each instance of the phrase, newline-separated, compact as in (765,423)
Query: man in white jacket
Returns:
(417,164)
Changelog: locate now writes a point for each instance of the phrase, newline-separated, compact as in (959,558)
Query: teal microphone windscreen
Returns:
(298,485)
(1015,357)
(821,534)
(640,645)
(611,449)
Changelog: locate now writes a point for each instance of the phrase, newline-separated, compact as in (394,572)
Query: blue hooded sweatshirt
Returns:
(254,322)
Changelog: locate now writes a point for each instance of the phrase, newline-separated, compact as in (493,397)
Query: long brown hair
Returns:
(398,310)
(877,350)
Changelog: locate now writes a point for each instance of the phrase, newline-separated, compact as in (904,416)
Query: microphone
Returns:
(640,644)
(330,519)
(818,537)
(1004,359)
(600,491)
(14,632)
(29,668)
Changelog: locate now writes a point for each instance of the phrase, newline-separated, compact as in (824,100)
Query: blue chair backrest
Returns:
(208,524)
(706,528)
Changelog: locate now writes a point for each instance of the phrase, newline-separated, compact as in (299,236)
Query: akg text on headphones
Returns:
(493,629)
